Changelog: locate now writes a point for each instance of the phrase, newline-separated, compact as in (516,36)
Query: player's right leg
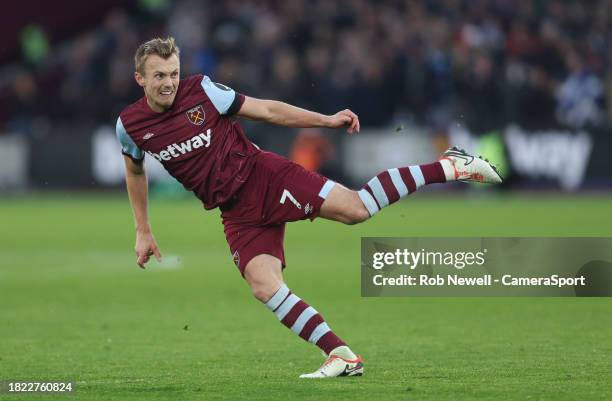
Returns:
(264,275)
(351,207)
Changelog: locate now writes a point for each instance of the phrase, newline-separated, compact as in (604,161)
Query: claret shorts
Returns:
(277,191)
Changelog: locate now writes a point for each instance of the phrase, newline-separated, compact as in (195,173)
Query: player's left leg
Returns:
(351,207)
(344,205)
(264,275)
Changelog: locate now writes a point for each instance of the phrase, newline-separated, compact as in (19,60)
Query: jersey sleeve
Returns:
(225,99)
(128,147)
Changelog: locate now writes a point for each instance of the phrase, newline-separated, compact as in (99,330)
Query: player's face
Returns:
(160,81)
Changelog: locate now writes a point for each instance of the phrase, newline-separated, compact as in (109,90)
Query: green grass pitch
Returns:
(74,306)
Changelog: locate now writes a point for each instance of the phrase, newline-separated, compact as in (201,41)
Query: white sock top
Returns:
(449,169)
(343,352)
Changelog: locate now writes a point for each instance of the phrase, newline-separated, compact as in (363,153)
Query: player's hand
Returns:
(345,118)
(145,248)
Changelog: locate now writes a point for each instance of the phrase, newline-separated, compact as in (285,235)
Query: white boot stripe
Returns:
(368,201)
(379,192)
(396,178)
(303,319)
(277,298)
(286,306)
(417,174)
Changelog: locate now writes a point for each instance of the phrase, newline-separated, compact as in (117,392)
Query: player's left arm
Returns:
(228,103)
(284,114)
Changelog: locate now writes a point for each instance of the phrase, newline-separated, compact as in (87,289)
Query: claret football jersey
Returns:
(195,140)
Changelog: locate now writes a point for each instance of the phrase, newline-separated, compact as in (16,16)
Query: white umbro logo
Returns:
(148,135)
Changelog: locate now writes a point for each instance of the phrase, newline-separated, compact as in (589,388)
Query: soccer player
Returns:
(187,125)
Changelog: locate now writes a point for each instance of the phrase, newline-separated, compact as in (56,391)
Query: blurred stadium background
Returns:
(527,83)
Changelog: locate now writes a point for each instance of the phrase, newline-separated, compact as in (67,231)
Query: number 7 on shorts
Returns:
(287,194)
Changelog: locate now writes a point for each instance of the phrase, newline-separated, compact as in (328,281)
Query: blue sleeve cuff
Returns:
(128,147)
(225,99)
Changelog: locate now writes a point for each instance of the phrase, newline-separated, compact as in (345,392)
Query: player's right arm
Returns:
(137,186)
(138,191)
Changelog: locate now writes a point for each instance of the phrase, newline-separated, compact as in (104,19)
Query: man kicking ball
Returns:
(185,124)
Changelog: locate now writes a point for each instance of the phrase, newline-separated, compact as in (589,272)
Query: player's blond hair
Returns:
(164,48)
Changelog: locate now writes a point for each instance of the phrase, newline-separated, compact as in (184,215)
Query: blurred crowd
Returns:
(483,63)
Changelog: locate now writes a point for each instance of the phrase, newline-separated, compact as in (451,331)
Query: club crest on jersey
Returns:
(196,115)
